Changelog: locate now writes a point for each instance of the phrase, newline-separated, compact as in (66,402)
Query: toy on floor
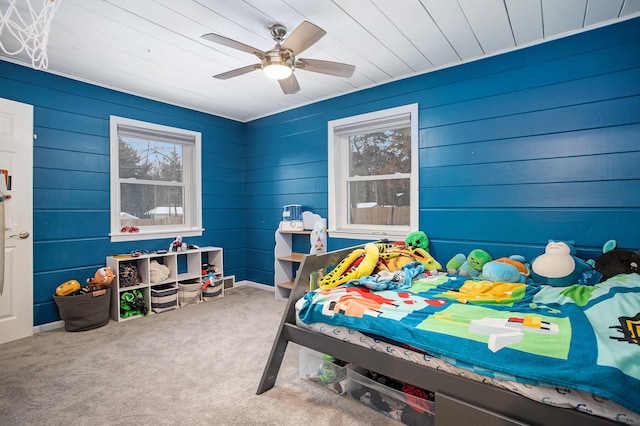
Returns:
(559,266)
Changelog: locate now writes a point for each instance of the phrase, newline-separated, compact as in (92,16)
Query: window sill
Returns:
(374,236)
(117,237)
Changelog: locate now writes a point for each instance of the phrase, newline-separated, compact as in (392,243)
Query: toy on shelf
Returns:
(177,245)
(209,281)
(132,303)
(318,237)
(128,274)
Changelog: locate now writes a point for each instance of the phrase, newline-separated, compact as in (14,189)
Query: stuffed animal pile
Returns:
(392,265)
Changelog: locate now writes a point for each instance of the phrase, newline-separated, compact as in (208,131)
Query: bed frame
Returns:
(458,400)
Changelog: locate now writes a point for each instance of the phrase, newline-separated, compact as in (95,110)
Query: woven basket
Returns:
(84,311)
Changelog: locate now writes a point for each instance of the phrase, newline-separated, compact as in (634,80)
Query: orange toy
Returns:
(101,279)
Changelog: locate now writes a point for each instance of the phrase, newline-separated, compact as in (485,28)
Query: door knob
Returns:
(22,235)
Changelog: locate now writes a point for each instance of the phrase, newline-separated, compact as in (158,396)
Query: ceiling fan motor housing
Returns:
(279,57)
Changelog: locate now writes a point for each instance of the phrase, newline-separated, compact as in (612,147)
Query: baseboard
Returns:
(48,326)
(255,284)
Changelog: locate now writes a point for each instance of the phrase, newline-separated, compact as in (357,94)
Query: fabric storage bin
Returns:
(410,407)
(322,369)
(164,298)
(84,311)
(214,290)
(189,292)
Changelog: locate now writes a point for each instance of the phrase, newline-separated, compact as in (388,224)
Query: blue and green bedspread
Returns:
(581,337)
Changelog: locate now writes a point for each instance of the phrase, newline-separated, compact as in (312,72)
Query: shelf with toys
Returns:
(155,282)
(297,230)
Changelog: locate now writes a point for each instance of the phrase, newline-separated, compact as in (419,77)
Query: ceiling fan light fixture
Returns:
(278,70)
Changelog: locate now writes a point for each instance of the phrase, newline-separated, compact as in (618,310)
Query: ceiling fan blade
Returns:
(216,38)
(289,85)
(303,37)
(326,67)
(237,72)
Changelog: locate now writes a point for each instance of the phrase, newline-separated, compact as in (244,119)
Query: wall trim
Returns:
(256,285)
(48,326)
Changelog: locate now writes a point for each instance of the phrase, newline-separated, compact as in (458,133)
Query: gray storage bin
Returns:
(164,297)
(214,290)
(84,311)
(189,292)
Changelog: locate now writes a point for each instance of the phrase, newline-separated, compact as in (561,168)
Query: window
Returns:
(373,174)
(155,181)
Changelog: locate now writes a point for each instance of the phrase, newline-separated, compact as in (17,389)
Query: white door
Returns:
(16,156)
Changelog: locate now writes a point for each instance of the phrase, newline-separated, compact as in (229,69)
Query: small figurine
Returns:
(177,245)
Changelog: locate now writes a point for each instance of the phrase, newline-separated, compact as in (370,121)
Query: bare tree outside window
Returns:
(155,180)
(151,187)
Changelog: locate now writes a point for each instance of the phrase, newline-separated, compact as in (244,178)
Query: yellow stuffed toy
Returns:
(345,270)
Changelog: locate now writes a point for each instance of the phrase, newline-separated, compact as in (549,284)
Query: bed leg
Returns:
(274,362)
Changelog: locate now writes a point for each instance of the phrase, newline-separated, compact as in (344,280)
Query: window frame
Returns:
(338,173)
(192,180)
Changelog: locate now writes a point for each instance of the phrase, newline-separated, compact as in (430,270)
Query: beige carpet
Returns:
(197,365)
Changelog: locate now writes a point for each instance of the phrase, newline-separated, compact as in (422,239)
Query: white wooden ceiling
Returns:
(153,48)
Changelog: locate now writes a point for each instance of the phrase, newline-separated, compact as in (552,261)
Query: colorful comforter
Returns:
(580,337)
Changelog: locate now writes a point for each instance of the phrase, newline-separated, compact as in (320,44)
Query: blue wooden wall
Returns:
(542,143)
(514,150)
(71,177)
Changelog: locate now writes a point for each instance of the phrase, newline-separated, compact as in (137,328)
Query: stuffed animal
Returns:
(506,269)
(559,266)
(417,239)
(615,261)
(471,266)
(101,279)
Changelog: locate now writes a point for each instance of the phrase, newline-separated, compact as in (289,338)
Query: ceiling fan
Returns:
(280,62)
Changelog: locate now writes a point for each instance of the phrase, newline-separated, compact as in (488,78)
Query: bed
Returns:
(494,358)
